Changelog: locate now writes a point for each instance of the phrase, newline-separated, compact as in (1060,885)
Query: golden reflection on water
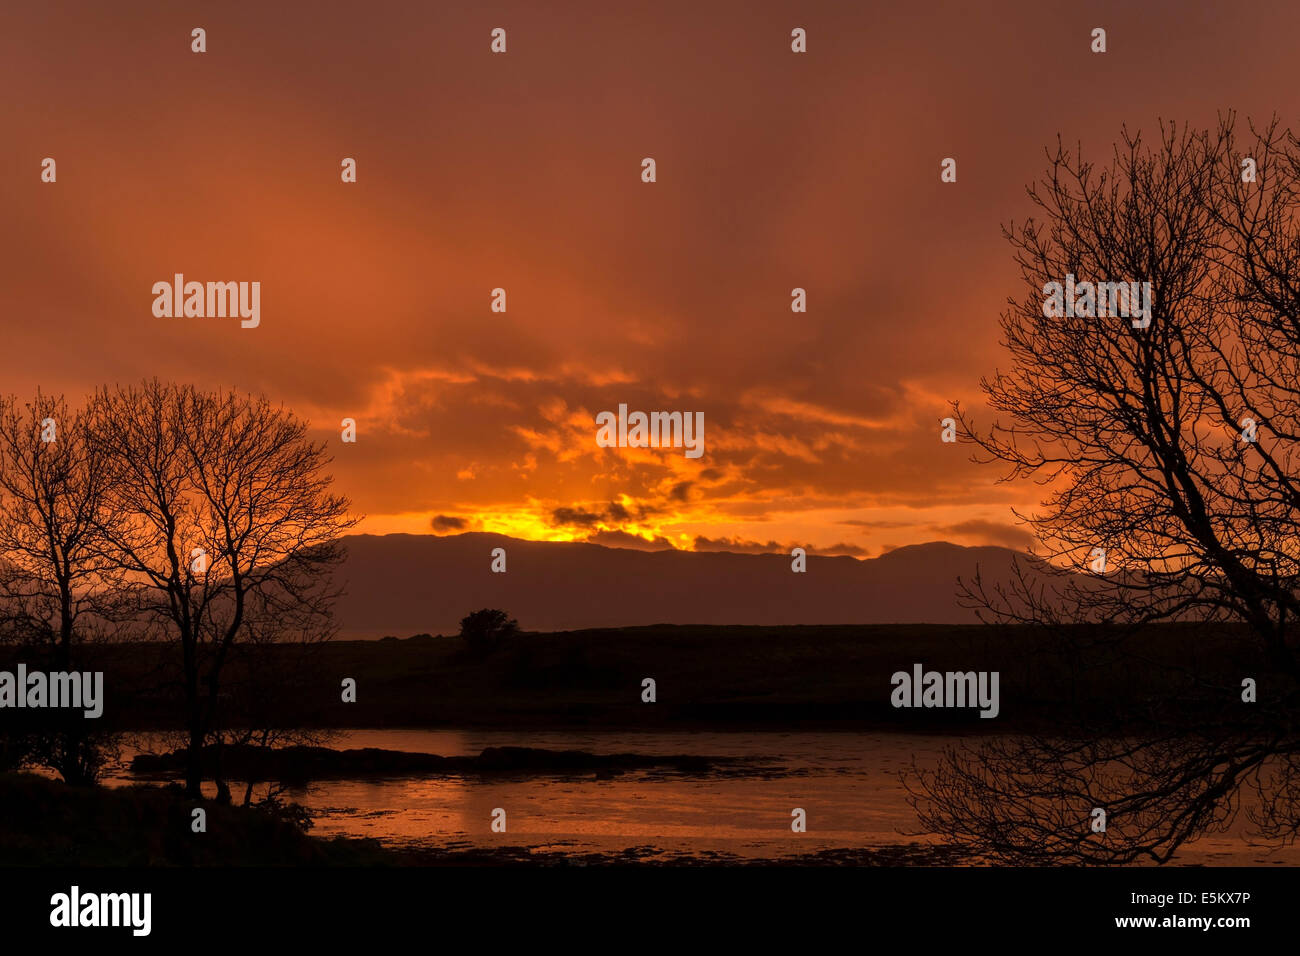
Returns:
(847,783)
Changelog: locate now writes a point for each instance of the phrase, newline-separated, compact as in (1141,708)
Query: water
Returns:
(848,784)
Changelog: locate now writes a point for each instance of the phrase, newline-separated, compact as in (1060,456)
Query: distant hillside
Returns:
(402,584)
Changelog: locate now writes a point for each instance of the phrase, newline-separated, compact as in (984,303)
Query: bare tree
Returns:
(1171,448)
(230,530)
(52,507)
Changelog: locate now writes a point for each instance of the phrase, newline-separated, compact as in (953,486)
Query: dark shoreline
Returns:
(45,823)
(908,854)
(706,678)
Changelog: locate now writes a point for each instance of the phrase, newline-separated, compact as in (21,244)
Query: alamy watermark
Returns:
(652,430)
(75,908)
(922,688)
(1101,300)
(198,300)
(55,689)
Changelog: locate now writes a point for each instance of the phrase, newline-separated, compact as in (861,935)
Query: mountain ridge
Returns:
(400,584)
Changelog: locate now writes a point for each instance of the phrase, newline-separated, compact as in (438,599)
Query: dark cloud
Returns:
(842,548)
(621,539)
(442,523)
(575,516)
(738,545)
(742,546)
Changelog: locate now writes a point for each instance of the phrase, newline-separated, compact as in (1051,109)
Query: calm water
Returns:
(848,784)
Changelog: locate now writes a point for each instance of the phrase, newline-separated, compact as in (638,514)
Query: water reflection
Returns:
(848,784)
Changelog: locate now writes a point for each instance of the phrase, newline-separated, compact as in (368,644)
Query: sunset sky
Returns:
(522,171)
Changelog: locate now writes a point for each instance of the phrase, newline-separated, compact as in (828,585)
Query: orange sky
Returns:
(522,171)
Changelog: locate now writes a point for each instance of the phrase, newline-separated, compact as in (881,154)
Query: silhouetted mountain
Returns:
(402,584)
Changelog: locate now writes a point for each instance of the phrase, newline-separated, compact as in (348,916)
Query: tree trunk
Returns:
(194,762)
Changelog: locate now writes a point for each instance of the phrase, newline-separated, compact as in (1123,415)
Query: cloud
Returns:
(742,546)
(842,548)
(990,532)
(876,525)
(575,516)
(703,543)
(468,416)
(441,523)
(621,539)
